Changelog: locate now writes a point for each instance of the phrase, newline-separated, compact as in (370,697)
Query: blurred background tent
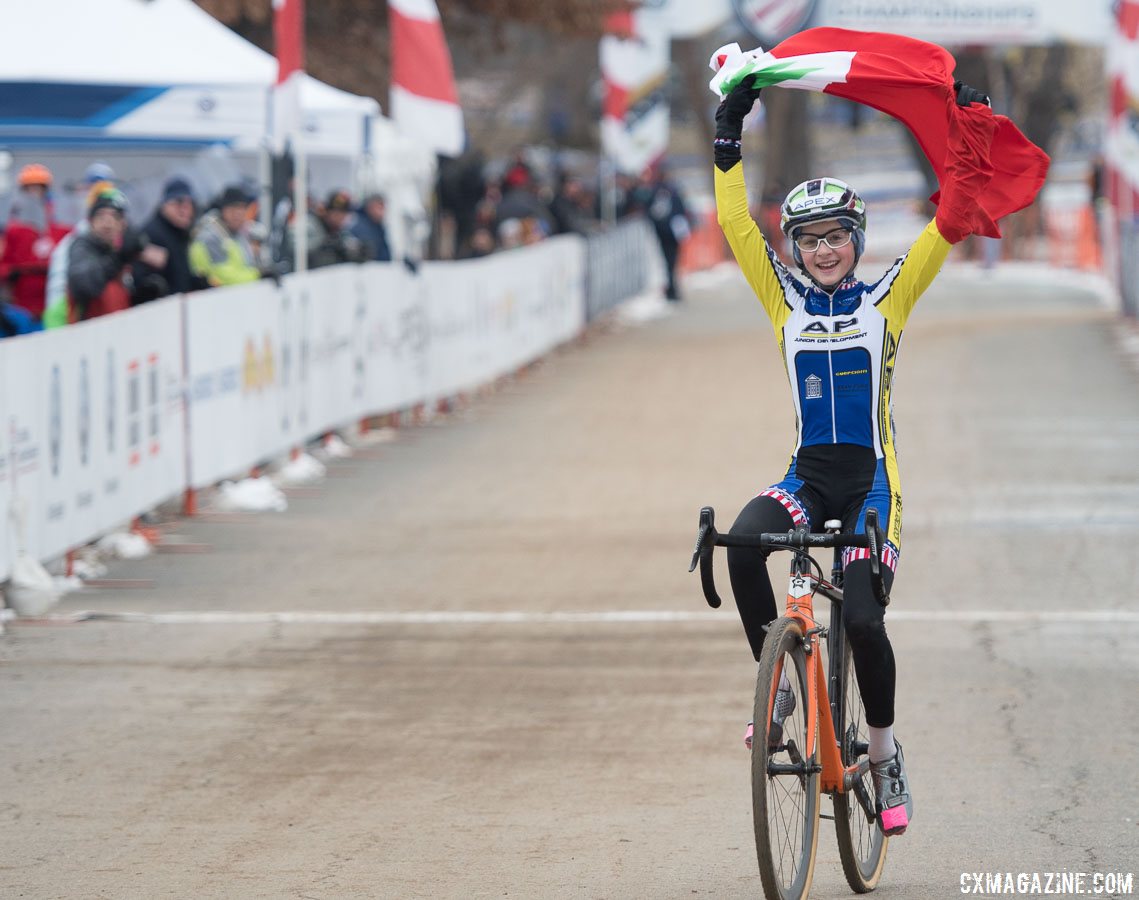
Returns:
(161,87)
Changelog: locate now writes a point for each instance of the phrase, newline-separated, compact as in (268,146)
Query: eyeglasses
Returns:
(836,240)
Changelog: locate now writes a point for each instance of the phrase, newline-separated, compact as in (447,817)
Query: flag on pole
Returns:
(289,37)
(289,42)
(424,102)
(912,81)
(634,67)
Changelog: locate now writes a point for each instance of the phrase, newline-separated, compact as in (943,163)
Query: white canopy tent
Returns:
(151,72)
(160,87)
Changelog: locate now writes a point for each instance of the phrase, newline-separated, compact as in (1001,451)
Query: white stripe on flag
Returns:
(826,69)
(424,10)
(437,124)
(811,72)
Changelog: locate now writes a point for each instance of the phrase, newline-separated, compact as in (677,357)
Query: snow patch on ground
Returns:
(718,276)
(87,566)
(378,436)
(1035,274)
(250,495)
(643,308)
(31,591)
(124,545)
(304,469)
(335,448)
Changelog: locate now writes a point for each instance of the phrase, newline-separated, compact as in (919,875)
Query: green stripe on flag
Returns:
(765,76)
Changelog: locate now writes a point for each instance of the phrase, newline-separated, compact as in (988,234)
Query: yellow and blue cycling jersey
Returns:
(839,349)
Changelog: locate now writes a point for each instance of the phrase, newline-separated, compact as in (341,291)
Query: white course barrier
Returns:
(94,430)
(491,316)
(104,420)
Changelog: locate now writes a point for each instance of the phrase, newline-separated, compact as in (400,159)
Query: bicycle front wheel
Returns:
(861,844)
(784,780)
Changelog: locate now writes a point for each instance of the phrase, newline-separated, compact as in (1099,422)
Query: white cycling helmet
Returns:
(820,199)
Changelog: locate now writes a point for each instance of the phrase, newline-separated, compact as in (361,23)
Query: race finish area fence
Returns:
(106,419)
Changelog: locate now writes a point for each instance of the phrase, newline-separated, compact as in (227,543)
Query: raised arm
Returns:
(968,172)
(760,267)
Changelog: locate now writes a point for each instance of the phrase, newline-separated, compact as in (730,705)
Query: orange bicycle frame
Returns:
(820,728)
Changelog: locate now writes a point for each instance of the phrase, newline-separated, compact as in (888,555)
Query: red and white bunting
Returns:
(1121,143)
(424,102)
(289,41)
(635,111)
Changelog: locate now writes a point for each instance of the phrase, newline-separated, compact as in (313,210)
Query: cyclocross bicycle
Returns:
(807,754)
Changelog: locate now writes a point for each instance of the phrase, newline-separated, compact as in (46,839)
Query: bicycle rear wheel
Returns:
(784,781)
(861,844)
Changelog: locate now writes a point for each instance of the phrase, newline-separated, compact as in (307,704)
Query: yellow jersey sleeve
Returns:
(908,278)
(755,257)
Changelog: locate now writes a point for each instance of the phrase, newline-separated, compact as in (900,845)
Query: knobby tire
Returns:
(785,807)
(861,844)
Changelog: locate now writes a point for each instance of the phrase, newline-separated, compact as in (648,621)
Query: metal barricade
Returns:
(620,263)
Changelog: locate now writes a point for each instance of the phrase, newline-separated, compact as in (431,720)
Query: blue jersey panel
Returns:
(854,397)
(813,377)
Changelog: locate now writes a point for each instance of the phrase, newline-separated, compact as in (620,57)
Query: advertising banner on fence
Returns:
(490,316)
(94,429)
(12,374)
(396,340)
(332,347)
(244,377)
(103,420)
(954,22)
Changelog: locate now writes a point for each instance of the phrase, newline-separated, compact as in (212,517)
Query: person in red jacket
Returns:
(32,235)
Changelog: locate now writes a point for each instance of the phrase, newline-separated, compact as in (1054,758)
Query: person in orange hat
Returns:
(32,235)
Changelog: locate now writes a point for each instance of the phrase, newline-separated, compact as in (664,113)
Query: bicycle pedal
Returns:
(825,816)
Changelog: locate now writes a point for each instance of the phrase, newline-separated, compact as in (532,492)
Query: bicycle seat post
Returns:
(834,526)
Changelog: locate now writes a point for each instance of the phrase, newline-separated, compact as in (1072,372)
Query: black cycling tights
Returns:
(863,615)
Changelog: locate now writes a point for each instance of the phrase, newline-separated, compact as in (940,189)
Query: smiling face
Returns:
(825,264)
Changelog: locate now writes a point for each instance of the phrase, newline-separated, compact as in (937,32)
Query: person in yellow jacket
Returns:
(221,251)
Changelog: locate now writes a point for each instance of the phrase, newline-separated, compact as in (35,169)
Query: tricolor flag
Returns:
(424,102)
(912,81)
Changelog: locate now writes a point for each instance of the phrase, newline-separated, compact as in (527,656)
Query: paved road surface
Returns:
(547,757)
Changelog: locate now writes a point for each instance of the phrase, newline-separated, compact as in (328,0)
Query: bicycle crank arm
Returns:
(855,774)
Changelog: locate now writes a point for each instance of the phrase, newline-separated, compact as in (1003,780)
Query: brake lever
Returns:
(707,516)
(705,544)
(874,539)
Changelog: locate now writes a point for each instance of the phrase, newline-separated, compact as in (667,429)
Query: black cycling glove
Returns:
(967,95)
(730,122)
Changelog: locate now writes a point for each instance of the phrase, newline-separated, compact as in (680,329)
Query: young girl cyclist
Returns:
(839,339)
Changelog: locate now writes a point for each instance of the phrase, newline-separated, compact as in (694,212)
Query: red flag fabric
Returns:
(289,37)
(424,101)
(912,81)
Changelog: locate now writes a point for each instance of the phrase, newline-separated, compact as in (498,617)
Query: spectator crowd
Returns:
(486,215)
(53,273)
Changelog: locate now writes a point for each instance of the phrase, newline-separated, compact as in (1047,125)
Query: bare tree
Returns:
(348,45)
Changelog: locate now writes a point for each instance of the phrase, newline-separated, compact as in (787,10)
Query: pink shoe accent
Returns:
(749,734)
(894,821)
